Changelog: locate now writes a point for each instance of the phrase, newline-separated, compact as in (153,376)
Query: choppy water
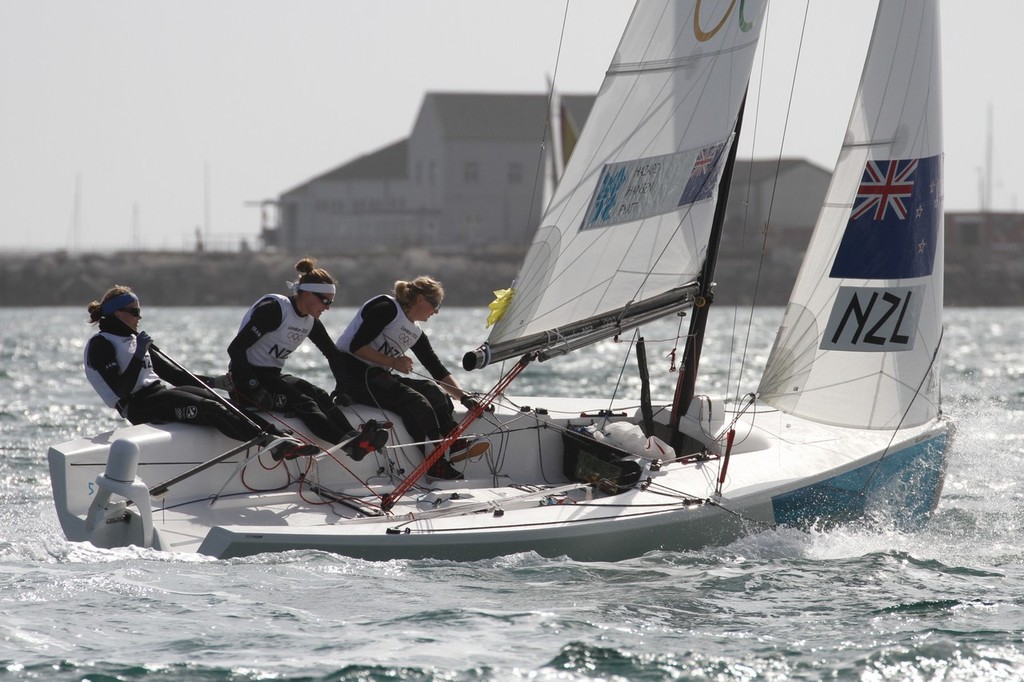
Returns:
(945,603)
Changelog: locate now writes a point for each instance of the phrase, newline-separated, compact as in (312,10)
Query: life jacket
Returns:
(274,347)
(394,340)
(124,351)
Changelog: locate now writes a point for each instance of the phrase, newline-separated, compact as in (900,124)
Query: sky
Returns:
(135,123)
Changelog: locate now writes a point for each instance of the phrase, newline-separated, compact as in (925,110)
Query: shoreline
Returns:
(181,278)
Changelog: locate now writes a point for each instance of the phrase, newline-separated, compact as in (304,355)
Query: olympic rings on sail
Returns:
(704,36)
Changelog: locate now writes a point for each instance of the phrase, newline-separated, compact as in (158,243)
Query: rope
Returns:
(771,203)
(388,500)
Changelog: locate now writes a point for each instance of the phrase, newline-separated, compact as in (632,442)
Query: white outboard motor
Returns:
(109,522)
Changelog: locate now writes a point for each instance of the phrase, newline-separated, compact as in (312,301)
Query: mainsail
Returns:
(859,340)
(625,234)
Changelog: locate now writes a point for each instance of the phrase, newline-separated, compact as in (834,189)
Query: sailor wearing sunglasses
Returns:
(375,363)
(145,388)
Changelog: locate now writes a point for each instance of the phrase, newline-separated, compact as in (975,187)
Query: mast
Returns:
(686,383)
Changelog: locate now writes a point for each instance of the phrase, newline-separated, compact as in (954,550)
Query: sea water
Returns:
(946,602)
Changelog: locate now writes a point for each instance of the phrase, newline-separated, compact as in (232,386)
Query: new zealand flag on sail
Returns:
(894,225)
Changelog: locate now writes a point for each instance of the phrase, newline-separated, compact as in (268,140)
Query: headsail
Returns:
(859,340)
(625,234)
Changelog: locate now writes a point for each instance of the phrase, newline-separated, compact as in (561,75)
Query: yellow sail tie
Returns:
(503,297)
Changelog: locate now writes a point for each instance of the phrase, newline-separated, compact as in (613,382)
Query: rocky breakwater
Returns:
(220,278)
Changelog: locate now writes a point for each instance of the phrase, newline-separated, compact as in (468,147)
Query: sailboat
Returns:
(845,425)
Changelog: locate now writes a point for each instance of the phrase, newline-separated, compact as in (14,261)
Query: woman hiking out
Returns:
(122,365)
(375,366)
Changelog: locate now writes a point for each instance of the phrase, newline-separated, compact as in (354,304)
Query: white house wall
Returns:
(427,159)
(491,196)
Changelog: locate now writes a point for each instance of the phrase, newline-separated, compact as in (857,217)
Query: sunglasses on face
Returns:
(436,304)
(326,301)
(134,312)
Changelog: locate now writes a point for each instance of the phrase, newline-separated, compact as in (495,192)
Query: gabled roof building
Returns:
(467,177)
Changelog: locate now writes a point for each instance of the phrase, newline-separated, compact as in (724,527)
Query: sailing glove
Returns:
(222,382)
(248,392)
(142,342)
(471,402)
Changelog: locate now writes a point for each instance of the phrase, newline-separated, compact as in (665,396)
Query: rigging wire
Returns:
(622,369)
(538,176)
(759,270)
(899,425)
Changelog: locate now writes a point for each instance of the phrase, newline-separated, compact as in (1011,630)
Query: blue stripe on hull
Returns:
(904,486)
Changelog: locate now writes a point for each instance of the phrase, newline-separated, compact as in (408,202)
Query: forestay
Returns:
(859,339)
(626,230)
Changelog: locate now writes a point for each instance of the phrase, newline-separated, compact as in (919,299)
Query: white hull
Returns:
(514,499)
(631,235)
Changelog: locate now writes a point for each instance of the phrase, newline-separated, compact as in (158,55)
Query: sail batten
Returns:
(681,63)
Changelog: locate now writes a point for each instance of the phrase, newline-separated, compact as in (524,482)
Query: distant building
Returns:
(791,191)
(345,206)
(990,239)
(467,178)
(985,258)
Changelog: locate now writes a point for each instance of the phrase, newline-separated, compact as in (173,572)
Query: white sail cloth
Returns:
(859,340)
(631,216)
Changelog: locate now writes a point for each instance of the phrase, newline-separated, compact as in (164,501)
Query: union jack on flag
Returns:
(893,228)
(885,185)
(705,160)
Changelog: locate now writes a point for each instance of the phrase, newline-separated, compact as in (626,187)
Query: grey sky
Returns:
(162,113)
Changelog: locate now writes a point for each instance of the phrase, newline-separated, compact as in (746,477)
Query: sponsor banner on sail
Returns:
(628,191)
(894,225)
(874,319)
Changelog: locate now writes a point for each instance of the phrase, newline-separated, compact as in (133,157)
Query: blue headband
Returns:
(112,305)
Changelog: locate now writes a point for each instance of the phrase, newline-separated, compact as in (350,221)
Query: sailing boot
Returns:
(468,448)
(444,470)
(370,438)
